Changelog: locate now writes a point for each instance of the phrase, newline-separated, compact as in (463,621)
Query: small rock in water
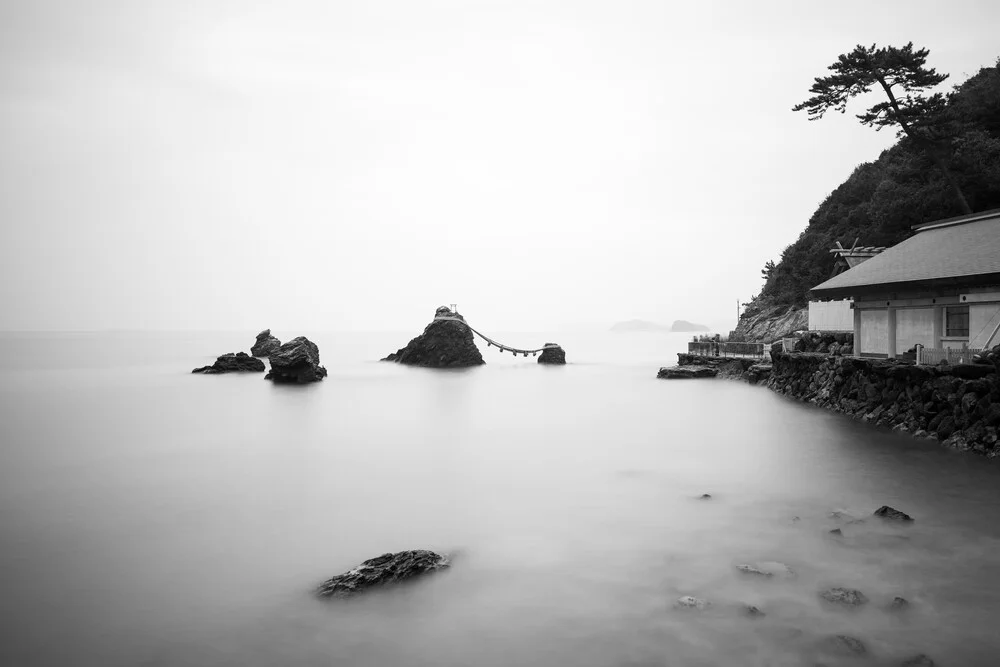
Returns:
(388,568)
(552,353)
(887,512)
(750,569)
(898,603)
(297,361)
(837,531)
(918,661)
(690,602)
(844,645)
(845,596)
(705,496)
(753,611)
(265,344)
(847,517)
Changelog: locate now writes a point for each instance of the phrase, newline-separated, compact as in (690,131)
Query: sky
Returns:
(318,165)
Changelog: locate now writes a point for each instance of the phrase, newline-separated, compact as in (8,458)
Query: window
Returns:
(956,321)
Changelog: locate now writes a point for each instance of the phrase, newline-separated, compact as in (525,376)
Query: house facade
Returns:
(939,289)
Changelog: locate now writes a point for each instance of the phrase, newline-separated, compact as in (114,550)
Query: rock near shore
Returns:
(233,362)
(445,343)
(389,568)
(552,354)
(297,361)
(265,344)
(686,372)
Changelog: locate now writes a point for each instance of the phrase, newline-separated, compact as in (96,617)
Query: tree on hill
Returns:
(881,200)
(900,73)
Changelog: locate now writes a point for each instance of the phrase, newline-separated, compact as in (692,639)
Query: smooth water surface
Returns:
(154,517)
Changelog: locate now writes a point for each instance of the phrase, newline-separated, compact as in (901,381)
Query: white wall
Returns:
(831,316)
(983,319)
(874,332)
(914,325)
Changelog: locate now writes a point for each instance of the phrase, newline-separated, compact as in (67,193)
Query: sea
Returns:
(151,517)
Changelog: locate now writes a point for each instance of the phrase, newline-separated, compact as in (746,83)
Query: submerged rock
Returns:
(552,354)
(887,512)
(899,604)
(753,611)
(238,362)
(690,602)
(837,531)
(297,361)
(265,344)
(386,569)
(445,343)
(766,569)
(846,596)
(750,569)
(687,372)
(705,496)
(843,645)
(918,661)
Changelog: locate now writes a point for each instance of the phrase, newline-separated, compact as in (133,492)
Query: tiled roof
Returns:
(952,249)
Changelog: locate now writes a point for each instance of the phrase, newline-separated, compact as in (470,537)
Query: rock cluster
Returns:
(445,343)
(233,363)
(265,344)
(834,344)
(552,354)
(386,569)
(297,361)
(959,405)
(751,370)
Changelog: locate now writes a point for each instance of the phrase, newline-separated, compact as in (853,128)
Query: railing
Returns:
(713,349)
(931,356)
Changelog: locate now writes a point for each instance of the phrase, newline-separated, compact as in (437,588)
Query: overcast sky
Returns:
(325,165)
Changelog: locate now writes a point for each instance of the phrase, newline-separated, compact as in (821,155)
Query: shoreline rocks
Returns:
(389,568)
(297,361)
(445,343)
(232,362)
(265,344)
(686,372)
(552,354)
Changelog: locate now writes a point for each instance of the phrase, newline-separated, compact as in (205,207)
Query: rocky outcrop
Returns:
(383,570)
(297,361)
(687,372)
(445,343)
(770,323)
(739,368)
(265,344)
(552,354)
(887,512)
(958,405)
(233,362)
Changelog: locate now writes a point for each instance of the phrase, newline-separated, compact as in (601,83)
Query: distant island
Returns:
(644,326)
(687,327)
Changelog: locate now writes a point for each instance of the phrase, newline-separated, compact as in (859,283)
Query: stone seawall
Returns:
(958,405)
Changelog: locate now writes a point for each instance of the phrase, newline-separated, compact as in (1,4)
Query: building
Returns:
(838,315)
(940,289)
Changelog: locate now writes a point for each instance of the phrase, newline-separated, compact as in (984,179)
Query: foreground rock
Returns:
(687,372)
(445,343)
(238,362)
(265,344)
(297,361)
(386,569)
(887,512)
(552,354)
(845,596)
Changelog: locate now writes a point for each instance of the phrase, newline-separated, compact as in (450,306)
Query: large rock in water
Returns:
(385,569)
(265,344)
(445,343)
(296,361)
(233,363)
(552,354)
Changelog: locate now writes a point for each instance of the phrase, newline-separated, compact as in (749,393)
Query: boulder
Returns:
(265,344)
(445,343)
(297,361)
(843,645)
(687,372)
(238,362)
(386,569)
(887,512)
(552,354)
(845,596)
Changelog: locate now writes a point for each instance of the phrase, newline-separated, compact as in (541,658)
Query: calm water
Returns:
(153,517)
